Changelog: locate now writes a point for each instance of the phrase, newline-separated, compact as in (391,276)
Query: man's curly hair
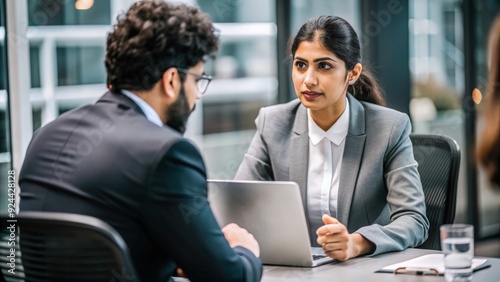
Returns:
(152,37)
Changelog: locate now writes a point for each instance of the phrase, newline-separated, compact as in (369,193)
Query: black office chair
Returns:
(63,247)
(438,158)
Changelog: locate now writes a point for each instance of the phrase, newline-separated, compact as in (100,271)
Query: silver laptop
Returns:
(272,211)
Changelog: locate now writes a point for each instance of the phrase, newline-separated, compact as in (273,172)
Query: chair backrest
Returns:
(46,246)
(438,158)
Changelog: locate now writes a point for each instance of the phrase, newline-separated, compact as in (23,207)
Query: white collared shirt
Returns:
(150,113)
(326,150)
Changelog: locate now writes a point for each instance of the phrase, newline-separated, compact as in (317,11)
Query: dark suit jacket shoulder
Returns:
(148,182)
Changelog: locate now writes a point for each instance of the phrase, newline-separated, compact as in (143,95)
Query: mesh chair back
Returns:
(65,247)
(438,160)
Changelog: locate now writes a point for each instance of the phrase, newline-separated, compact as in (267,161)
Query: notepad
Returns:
(432,264)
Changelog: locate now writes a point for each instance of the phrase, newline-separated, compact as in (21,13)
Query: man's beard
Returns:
(178,113)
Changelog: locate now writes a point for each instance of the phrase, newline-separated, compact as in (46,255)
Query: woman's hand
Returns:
(338,243)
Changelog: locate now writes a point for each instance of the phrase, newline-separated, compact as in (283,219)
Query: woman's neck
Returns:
(327,117)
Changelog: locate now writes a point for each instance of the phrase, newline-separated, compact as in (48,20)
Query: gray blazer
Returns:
(380,193)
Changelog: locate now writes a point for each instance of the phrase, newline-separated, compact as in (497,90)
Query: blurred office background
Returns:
(429,56)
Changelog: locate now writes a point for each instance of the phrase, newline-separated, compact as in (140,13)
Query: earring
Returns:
(351,82)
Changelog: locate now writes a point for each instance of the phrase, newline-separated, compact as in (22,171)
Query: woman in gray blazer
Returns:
(352,157)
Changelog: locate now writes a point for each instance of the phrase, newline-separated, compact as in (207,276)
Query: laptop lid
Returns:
(272,211)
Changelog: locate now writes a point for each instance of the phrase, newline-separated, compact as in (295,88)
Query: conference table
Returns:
(363,269)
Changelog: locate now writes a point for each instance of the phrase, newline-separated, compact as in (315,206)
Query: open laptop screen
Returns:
(271,210)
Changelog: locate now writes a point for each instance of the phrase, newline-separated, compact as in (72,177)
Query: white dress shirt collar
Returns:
(150,113)
(336,133)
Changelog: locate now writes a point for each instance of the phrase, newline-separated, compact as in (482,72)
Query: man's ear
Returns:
(171,82)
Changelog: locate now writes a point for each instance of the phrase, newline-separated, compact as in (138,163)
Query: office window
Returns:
(5,151)
(230,116)
(3,62)
(230,11)
(302,11)
(437,68)
(245,79)
(4,136)
(69,12)
(80,65)
(67,46)
(35,66)
(36,115)
(489,201)
(64,108)
(436,65)
(2,14)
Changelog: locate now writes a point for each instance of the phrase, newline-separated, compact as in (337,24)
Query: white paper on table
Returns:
(426,264)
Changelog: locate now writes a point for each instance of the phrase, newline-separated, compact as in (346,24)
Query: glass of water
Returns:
(457,243)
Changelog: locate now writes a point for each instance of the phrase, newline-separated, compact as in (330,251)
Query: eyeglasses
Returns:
(202,81)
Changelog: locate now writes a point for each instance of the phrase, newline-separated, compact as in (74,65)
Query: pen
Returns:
(416,271)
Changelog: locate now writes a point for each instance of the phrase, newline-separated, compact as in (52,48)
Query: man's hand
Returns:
(338,243)
(237,236)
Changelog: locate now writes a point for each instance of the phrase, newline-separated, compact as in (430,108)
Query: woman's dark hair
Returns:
(488,151)
(152,37)
(338,36)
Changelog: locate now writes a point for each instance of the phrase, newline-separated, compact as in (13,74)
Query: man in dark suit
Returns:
(124,160)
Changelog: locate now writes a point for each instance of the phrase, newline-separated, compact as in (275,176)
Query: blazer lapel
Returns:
(353,153)
(298,149)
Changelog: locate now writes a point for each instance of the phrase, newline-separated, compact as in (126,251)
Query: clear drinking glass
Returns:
(457,243)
